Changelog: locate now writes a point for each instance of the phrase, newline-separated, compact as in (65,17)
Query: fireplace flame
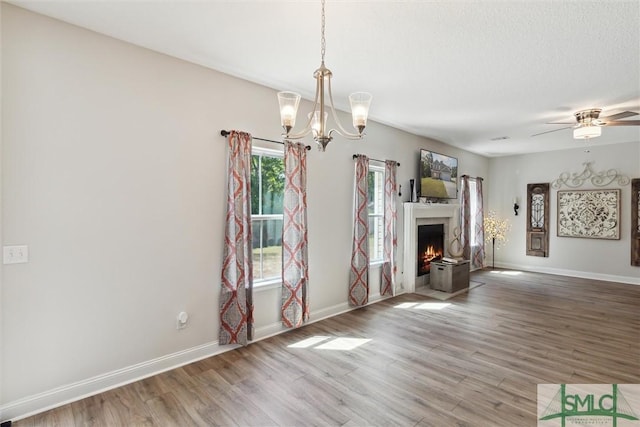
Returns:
(430,254)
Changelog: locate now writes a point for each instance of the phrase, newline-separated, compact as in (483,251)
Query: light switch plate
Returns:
(15,254)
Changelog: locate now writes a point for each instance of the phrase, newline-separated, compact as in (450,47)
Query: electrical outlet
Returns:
(181,320)
(15,254)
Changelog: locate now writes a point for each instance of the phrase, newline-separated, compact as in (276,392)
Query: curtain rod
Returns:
(375,160)
(226,133)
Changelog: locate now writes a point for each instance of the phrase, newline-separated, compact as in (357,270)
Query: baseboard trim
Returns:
(572,273)
(31,405)
(277,328)
(59,396)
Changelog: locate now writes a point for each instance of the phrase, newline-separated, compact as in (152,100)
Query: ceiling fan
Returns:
(589,124)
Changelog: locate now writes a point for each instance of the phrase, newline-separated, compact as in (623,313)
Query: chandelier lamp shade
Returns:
(587,132)
(317,119)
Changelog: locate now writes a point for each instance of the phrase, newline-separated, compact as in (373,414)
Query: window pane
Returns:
(371,191)
(376,238)
(272,175)
(375,207)
(267,184)
(255,184)
(267,248)
(375,195)
(473,207)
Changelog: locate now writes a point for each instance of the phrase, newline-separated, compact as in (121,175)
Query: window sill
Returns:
(277,283)
(267,285)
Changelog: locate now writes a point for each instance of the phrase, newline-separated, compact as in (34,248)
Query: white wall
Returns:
(113,173)
(591,258)
(1,239)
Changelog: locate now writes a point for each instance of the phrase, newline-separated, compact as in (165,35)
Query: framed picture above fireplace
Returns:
(438,175)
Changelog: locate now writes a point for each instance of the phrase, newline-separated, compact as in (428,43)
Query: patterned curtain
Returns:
(477,251)
(359,275)
(295,268)
(388,281)
(473,253)
(236,292)
(465,218)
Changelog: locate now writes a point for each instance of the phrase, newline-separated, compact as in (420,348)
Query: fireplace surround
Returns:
(416,214)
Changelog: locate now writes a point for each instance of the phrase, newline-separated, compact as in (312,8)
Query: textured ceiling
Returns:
(462,72)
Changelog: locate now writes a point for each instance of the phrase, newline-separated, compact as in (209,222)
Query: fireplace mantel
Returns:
(424,213)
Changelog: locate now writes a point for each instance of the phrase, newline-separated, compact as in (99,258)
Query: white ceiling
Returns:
(462,72)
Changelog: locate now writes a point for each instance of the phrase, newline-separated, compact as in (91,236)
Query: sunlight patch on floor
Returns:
(320,342)
(423,305)
(406,305)
(343,344)
(432,305)
(309,342)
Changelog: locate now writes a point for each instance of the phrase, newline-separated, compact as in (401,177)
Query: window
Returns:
(473,207)
(376,213)
(267,194)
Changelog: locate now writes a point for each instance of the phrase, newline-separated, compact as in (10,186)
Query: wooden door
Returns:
(538,219)
(635,222)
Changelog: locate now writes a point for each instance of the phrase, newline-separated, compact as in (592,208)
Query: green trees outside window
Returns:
(267,193)
(376,213)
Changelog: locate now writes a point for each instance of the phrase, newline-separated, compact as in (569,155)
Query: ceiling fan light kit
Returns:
(587,132)
(588,124)
(317,119)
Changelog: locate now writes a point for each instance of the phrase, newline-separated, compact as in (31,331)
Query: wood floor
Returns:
(475,362)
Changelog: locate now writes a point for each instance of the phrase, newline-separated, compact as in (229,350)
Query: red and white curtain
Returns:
(472,223)
(477,250)
(390,239)
(295,265)
(359,274)
(236,292)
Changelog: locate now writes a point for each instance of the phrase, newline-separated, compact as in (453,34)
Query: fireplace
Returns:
(430,246)
(416,215)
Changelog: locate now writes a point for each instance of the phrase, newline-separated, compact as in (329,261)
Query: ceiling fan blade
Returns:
(623,123)
(562,123)
(618,116)
(549,131)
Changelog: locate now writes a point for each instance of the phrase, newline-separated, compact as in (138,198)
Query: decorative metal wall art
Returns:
(635,222)
(598,179)
(593,214)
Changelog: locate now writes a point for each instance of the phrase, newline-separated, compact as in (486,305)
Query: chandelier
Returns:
(317,119)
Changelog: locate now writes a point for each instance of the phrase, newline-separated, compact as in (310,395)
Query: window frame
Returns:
(272,281)
(378,199)
(473,208)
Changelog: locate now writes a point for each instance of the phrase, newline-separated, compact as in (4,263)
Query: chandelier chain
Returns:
(323,45)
